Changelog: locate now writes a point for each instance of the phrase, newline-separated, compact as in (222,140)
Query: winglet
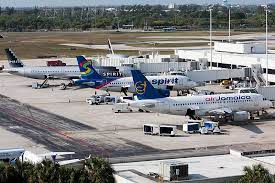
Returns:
(144,89)
(87,71)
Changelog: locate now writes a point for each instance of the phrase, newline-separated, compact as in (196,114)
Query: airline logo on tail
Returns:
(86,69)
(140,87)
(85,64)
(145,89)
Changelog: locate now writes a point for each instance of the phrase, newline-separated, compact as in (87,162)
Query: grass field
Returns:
(36,44)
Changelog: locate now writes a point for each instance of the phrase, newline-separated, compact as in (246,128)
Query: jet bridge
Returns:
(218,74)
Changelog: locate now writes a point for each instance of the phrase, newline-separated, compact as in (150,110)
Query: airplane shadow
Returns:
(248,125)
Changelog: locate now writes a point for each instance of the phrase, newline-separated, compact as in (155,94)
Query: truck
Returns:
(92,100)
(121,107)
(167,130)
(150,129)
(53,63)
(97,99)
(191,127)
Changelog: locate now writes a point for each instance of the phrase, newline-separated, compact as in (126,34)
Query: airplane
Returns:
(43,72)
(10,155)
(206,105)
(90,78)
(32,158)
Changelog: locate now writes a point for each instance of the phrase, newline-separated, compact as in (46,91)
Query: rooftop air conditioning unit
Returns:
(173,171)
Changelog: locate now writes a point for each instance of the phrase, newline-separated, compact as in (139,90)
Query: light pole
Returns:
(229,20)
(211,53)
(229,24)
(266,41)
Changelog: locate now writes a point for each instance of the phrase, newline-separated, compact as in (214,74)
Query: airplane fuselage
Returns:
(61,72)
(203,104)
(175,82)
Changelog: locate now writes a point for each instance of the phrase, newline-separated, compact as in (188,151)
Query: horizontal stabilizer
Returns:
(56,154)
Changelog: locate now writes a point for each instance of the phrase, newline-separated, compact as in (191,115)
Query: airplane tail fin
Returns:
(87,71)
(144,89)
(110,47)
(12,58)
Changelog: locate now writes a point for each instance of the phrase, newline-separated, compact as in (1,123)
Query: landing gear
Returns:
(124,90)
(70,84)
(182,92)
(192,114)
(63,86)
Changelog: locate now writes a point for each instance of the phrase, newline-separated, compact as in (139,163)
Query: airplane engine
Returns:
(241,116)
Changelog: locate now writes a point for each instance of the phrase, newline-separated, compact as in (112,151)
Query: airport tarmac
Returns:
(62,120)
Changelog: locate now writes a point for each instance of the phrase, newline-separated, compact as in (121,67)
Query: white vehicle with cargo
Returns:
(121,107)
(150,129)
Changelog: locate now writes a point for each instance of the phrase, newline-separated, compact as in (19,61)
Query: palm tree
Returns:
(79,176)
(8,173)
(26,171)
(99,170)
(47,171)
(256,174)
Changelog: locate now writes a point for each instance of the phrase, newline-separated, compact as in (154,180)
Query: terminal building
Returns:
(234,55)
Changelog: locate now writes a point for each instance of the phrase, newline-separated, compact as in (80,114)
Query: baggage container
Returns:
(210,125)
(167,130)
(110,100)
(191,127)
(150,129)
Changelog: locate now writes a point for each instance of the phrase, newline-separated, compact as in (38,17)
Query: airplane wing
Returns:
(56,154)
(125,86)
(66,162)
(90,83)
(148,105)
(128,101)
(194,107)
(221,111)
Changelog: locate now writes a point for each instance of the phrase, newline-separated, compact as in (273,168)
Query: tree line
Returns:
(85,18)
(93,170)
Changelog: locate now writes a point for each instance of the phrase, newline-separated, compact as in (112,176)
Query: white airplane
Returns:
(69,72)
(9,155)
(60,72)
(38,158)
(90,78)
(206,105)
